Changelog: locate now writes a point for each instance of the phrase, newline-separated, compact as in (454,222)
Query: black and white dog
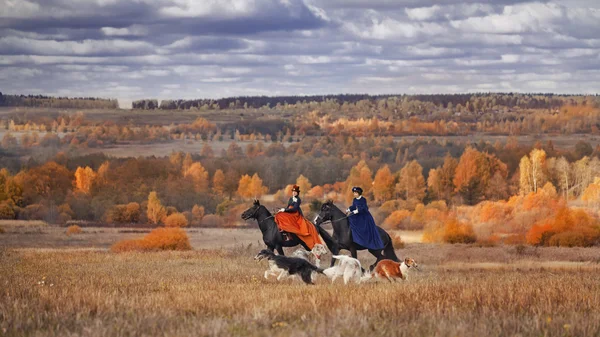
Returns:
(283,266)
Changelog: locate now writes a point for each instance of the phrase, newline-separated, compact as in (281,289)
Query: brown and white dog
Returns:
(391,270)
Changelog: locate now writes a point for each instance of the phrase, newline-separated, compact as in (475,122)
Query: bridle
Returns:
(329,218)
(256,212)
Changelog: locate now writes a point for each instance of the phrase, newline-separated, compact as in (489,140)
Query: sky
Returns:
(170,49)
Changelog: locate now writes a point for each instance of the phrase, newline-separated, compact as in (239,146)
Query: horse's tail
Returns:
(388,250)
(329,241)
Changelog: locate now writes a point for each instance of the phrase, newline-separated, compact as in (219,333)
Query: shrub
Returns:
(74,229)
(197,214)
(397,241)
(397,220)
(7,210)
(456,232)
(159,239)
(212,220)
(568,239)
(538,235)
(176,220)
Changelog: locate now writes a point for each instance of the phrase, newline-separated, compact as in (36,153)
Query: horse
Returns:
(273,238)
(342,235)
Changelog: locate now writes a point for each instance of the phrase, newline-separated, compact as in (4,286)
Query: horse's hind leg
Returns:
(378,254)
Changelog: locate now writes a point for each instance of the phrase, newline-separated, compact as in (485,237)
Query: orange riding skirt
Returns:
(297,224)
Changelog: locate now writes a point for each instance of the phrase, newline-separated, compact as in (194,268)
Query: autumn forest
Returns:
(482,168)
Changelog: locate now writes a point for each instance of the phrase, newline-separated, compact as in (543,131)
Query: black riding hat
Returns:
(357,189)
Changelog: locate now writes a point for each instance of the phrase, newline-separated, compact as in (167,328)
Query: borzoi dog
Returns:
(391,270)
(348,267)
(282,266)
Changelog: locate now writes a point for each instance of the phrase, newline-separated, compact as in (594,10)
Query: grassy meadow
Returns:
(53,288)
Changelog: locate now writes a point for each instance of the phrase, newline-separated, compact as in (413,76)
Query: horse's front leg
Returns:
(280,250)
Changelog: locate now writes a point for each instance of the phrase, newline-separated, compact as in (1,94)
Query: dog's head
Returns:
(264,254)
(411,263)
(319,250)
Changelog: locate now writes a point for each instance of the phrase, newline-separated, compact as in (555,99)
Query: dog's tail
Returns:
(367,276)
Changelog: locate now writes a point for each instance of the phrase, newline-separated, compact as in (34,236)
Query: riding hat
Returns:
(357,189)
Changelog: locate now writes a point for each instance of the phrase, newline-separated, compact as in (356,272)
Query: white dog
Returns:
(348,267)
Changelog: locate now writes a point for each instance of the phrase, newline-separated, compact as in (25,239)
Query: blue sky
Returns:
(131,49)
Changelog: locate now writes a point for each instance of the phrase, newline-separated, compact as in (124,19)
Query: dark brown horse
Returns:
(342,234)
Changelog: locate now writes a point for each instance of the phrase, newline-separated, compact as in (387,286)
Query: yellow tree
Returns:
(256,186)
(199,176)
(525,183)
(538,165)
(532,171)
(360,175)
(411,183)
(591,195)
(156,211)
(218,183)
(187,162)
(244,186)
(304,184)
(383,184)
(84,177)
(473,173)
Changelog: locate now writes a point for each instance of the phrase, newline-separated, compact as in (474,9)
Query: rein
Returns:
(340,219)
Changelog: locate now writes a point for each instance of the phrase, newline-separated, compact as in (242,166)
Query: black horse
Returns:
(273,238)
(342,235)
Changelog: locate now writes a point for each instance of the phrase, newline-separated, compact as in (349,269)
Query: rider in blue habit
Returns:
(364,230)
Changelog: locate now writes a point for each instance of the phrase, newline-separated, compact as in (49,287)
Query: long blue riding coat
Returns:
(362,224)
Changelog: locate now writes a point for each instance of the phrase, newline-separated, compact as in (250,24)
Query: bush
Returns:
(159,239)
(456,232)
(71,230)
(176,220)
(538,235)
(212,220)
(7,210)
(397,241)
(569,239)
(397,220)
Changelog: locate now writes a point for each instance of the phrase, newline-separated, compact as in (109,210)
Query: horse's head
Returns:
(251,213)
(326,213)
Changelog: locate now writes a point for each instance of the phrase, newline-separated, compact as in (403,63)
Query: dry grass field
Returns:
(53,288)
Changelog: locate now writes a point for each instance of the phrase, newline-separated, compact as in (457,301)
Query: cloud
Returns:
(134,49)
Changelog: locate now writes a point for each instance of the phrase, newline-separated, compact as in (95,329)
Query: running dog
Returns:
(283,266)
(391,270)
(348,267)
